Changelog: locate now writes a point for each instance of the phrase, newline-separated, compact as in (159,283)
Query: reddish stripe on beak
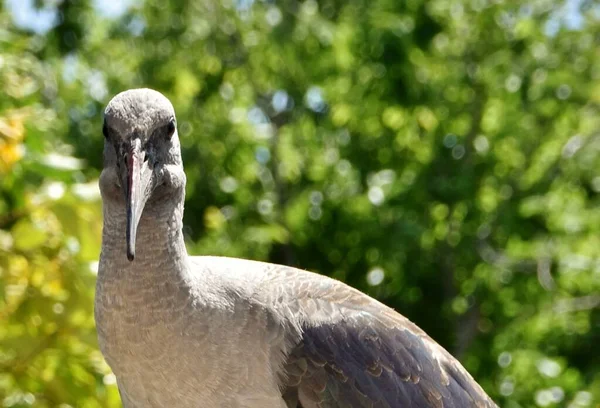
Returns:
(135,194)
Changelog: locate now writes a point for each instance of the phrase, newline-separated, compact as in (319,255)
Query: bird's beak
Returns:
(137,191)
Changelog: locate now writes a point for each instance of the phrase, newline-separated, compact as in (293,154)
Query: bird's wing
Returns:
(348,350)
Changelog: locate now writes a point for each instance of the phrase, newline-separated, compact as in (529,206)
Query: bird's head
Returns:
(142,156)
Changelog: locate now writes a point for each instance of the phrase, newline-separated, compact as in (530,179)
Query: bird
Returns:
(208,331)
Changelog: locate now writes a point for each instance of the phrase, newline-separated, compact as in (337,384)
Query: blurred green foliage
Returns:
(439,155)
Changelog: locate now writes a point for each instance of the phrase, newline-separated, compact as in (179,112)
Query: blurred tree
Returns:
(49,235)
(439,155)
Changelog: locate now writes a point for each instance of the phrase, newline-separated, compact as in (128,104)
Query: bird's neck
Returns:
(160,249)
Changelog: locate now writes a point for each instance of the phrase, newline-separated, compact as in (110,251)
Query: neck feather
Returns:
(160,248)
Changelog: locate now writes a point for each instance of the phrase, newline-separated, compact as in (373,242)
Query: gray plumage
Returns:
(181,331)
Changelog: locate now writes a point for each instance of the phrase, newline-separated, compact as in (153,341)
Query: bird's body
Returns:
(182,331)
(153,343)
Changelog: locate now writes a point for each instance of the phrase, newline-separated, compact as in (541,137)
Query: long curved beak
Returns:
(137,191)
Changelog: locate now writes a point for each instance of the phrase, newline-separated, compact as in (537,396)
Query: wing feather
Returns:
(353,351)
(342,348)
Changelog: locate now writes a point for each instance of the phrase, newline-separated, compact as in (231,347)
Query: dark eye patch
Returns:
(170,128)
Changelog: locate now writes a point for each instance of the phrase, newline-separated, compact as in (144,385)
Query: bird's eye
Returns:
(105,130)
(170,128)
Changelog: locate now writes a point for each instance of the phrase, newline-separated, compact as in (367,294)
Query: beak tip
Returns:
(130,255)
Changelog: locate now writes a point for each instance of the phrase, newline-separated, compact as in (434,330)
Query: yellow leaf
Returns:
(10,153)
(13,126)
